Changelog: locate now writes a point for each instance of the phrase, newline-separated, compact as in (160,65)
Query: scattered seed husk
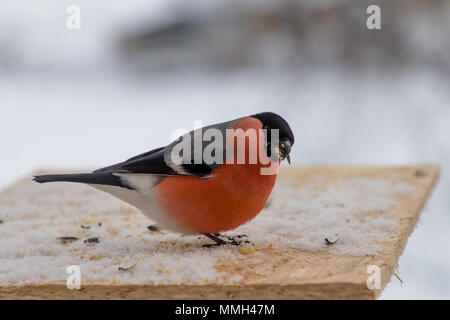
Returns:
(92,240)
(65,240)
(420,173)
(329,243)
(126,269)
(129,268)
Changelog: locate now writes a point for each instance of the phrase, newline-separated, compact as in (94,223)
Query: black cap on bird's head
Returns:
(271,121)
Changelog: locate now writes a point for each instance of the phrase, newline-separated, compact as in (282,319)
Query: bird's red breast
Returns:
(234,194)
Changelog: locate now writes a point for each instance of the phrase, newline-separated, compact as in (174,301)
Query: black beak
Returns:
(285,149)
(288,158)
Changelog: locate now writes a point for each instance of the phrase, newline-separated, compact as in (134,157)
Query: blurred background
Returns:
(137,70)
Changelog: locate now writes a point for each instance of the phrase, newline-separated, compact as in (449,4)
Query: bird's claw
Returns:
(218,244)
(232,240)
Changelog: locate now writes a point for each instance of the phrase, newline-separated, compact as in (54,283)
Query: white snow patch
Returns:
(303,216)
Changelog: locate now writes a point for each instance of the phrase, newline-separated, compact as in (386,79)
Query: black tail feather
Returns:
(89,178)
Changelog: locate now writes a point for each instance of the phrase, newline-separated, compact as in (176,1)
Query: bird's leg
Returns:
(233,240)
(218,241)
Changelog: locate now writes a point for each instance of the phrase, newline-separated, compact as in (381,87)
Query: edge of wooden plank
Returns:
(201,292)
(393,267)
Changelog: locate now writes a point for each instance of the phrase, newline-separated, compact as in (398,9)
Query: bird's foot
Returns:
(239,238)
(231,240)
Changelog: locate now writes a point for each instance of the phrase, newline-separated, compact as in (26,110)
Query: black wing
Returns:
(151,162)
(158,161)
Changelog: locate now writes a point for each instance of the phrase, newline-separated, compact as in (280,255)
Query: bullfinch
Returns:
(205,182)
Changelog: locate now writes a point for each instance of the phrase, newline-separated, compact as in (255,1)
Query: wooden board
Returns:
(283,272)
